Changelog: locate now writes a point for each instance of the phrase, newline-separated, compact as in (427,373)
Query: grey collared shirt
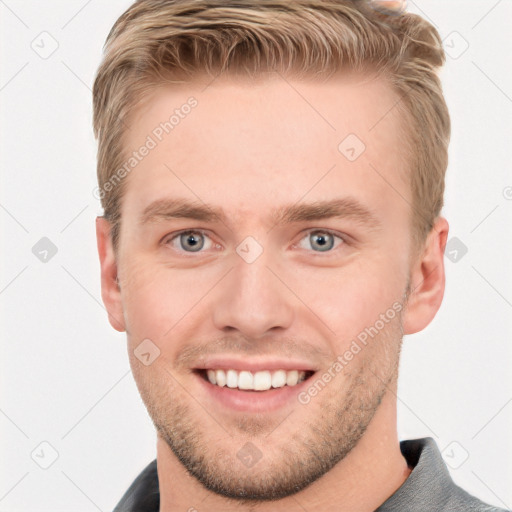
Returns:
(429,487)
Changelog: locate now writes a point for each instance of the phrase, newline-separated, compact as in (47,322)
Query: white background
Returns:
(65,377)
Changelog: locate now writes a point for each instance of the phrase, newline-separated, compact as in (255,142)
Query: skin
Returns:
(249,147)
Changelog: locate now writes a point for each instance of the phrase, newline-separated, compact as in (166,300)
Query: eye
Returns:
(195,240)
(320,240)
(189,241)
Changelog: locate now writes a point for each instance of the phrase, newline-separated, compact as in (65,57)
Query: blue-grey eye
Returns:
(192,240)
(322,241)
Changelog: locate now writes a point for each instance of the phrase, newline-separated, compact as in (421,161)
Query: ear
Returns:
(110,291)
(427,280)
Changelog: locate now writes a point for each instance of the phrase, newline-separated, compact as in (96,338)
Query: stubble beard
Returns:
(336,420)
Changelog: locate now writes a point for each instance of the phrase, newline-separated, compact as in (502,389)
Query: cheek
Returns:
(352,298)
(156,298)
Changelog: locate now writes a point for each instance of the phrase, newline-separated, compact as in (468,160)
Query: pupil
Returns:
(189,240)
(322,243)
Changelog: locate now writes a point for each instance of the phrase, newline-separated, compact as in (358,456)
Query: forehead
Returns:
(255,145)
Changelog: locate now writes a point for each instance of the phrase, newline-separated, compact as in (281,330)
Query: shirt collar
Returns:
(429,481)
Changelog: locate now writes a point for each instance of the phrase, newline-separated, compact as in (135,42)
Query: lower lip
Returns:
(253,401)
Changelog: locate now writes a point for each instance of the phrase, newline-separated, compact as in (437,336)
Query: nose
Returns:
(253,299)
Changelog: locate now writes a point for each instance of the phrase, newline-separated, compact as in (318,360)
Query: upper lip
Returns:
(255,365)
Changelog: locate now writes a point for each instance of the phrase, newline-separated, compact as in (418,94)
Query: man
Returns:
(300,149)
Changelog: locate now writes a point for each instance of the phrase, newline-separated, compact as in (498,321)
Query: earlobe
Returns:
(427,280)
(110,291)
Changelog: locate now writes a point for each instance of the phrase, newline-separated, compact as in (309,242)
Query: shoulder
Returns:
(430,486)
(459,499)
(143,495)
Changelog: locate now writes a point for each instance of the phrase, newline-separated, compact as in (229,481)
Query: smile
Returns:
(256,381)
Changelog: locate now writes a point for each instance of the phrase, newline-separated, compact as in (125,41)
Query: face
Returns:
(260,235)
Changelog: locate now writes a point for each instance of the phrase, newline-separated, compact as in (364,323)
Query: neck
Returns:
(362,481)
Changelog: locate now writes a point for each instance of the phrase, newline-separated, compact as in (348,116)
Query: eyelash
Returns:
(167,240)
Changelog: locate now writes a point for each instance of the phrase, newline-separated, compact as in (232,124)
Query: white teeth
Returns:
(245,380)
(211,376)
(220,378)
(262,381)
(292,378)
(259,381)
(278,379)
(231,379)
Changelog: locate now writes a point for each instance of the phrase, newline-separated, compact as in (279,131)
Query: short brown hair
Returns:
(159,41)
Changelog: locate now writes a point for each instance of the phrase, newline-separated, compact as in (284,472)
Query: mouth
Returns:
(263,380)
(262,391)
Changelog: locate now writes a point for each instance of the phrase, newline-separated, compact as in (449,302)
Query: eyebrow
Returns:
(346,207)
